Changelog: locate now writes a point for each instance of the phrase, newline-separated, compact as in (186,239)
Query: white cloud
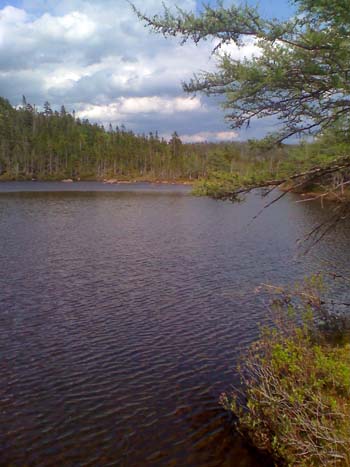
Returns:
(116,111)
(97,58)
(158,104)
(11,15)
(61,78)
(249,49)
(72,27)
(203,136)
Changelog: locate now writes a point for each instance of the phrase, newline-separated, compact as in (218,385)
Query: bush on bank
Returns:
(295,398)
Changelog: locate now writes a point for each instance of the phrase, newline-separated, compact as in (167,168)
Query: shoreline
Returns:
(113,181)
(104,181)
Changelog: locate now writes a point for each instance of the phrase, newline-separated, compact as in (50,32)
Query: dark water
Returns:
(123,310)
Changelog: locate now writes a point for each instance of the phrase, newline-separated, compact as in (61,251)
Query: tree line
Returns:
(50,144)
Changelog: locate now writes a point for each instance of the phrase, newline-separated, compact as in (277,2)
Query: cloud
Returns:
(203,136)
(250,49)
(73,28)
(136,105)
(97,58)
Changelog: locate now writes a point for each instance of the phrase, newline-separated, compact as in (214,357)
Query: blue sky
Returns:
(278,8)
(96,58)
(274,8)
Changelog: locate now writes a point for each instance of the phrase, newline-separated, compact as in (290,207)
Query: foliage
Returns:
(320,168)
(252,167)
(223,185)
(296,387)
(49,144)
(299,75)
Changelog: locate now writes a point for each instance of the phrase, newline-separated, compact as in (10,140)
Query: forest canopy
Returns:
(55,144)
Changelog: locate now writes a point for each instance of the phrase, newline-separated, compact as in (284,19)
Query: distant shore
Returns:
(113,181)
(106,181)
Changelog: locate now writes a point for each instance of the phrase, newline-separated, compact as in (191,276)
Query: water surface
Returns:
(123,310)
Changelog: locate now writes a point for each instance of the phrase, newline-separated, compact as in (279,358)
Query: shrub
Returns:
(295,398)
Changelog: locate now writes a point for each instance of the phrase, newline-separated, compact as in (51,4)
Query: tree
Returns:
(175,144)
(300,75)
(47,144)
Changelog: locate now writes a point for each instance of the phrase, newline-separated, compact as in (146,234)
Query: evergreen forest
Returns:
(52,145)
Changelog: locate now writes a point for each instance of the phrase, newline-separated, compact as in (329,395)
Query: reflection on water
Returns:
(123,313)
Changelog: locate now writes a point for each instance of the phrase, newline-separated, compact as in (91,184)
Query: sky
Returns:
(95,57)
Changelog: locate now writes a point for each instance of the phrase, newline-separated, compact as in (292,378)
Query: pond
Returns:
(123,312)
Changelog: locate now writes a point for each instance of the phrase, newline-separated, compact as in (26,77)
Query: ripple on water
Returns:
(122,316)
